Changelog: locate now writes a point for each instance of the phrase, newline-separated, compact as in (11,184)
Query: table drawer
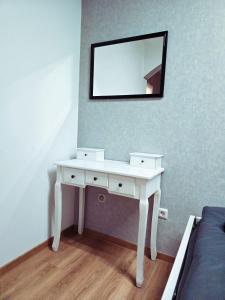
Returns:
(73,176)
(145,160)
(97,178)
(90,154)
(122,185)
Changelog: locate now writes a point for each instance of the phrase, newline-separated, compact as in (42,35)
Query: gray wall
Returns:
(187,125)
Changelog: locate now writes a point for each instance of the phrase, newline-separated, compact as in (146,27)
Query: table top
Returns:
(112,167)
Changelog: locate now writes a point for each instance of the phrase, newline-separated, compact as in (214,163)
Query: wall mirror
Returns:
(129,68)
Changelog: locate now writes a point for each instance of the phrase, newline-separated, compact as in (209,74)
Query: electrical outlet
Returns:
(101,198)
(163,213)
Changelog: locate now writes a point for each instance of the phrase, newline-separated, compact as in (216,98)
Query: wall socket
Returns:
(101,198)
(163,213)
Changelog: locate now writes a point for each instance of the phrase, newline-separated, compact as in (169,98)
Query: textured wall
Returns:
(187,125)
(39,80)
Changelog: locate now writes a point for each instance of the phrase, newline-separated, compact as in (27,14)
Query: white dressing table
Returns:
(121,178)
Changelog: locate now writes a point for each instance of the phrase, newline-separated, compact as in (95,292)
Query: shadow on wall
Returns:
(51,204)
(37,127)
(115,216)
(39,59)
(29,132)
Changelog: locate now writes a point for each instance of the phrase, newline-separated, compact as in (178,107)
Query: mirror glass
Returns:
(127,68)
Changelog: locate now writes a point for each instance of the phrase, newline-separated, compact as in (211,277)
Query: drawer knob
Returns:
(73,176)
(85,154)
(95,178)
(142,161)
(120,185)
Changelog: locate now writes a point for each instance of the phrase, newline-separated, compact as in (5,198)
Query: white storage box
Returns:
(145,160)
(90,154)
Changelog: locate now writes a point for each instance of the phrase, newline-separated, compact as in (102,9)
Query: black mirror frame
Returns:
(124,40)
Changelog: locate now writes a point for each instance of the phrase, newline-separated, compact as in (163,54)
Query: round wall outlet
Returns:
(101,198)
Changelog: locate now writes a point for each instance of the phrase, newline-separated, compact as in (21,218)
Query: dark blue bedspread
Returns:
(204,273)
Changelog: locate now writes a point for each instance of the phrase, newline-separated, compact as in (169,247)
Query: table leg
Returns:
(143,216)
(155,215)
(58,215)
(81,210)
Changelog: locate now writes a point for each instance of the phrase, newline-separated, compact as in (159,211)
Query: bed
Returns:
(198,272)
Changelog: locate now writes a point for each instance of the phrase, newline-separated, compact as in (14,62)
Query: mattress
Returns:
(203,276)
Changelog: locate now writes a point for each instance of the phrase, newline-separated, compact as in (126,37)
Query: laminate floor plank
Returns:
(84,268)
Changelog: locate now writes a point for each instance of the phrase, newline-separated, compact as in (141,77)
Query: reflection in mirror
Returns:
(132,67)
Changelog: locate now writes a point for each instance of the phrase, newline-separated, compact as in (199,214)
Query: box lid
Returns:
(146,155)
(90,149)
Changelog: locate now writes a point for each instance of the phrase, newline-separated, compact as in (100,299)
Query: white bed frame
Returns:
(176,269)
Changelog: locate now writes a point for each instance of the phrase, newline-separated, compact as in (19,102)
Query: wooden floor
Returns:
(83,268)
